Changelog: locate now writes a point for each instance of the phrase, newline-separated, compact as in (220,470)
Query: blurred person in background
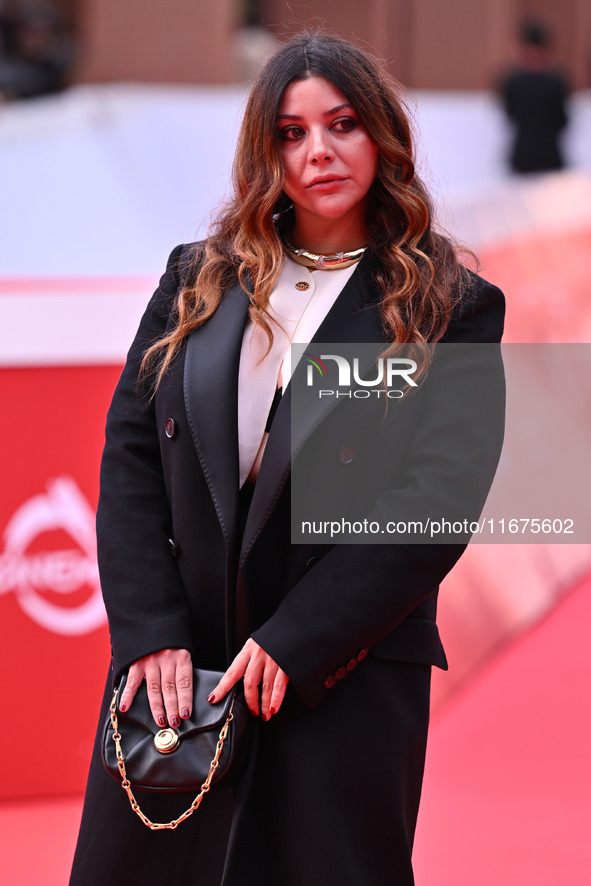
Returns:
(535,97)
(328,237)
(36,51)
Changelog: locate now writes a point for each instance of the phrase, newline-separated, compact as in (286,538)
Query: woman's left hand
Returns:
(262,676)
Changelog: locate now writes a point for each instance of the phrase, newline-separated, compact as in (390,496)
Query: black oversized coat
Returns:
(336,784)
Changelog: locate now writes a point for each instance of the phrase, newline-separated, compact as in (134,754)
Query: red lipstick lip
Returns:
(325,180)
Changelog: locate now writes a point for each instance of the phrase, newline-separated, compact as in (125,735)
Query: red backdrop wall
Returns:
(55,648)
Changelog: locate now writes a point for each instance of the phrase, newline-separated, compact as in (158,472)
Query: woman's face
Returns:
(329,160)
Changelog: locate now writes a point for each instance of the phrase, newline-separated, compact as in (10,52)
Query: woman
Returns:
(328,239)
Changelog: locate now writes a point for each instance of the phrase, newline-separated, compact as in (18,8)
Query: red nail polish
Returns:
(174,721)
(185,713)
(211,697)
(123,707)
(161,722)
(272,712)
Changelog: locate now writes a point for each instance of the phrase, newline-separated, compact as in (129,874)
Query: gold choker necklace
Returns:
(324,262)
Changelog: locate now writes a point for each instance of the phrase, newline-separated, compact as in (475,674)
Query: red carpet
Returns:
(508,785)
(37,840)
(506,798)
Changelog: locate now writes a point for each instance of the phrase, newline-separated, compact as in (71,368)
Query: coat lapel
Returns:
(354,317)
(211,400)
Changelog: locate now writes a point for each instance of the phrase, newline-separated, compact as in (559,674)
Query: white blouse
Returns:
(300,301)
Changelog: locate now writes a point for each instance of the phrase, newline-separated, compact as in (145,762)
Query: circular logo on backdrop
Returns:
(49,560)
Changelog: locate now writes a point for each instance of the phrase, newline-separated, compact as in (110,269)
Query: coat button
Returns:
(346,454)
(173,547)
(340,673)
(169,428)
(329,682)
(351,665)
(362,654)
(311,562)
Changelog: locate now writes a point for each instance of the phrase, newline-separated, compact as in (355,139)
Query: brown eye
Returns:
(291,133)
(345,124)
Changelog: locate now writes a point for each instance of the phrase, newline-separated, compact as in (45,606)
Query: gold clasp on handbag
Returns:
(167,740)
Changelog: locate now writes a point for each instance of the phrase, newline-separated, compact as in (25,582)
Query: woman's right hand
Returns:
(169,679)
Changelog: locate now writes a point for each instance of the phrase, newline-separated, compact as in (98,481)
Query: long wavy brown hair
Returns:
(415,267)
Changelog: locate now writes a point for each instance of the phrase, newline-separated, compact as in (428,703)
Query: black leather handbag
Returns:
(207,751)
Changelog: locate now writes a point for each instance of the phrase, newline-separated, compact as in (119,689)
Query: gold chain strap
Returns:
(126,784)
